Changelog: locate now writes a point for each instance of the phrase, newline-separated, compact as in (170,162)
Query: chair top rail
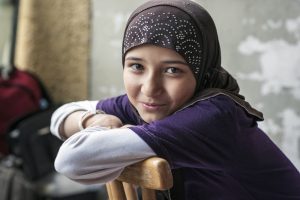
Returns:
(152,173)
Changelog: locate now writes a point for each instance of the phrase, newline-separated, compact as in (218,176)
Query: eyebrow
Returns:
(134,58)
(166,61)
(175,62)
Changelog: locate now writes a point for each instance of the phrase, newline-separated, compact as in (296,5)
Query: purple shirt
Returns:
(218,147)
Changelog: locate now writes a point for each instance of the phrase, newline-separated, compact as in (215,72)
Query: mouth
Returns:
(152,106)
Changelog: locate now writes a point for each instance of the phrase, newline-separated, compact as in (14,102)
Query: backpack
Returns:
(21,94)
(32,143)
(32,151)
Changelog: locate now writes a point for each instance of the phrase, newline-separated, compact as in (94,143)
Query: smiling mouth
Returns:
(152,106)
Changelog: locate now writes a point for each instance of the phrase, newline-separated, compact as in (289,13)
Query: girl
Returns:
(181,105)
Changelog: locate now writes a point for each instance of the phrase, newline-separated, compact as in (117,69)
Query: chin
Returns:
(150,119)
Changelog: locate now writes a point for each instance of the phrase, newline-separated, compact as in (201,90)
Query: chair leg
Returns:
(116,190)
(130,191)
(148,194)
(109,192)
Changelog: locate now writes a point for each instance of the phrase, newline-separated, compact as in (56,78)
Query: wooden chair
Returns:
(150,175)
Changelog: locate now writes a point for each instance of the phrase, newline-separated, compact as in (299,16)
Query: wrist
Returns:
(87,116)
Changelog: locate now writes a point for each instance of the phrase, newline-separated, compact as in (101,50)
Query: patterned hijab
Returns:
(187,28)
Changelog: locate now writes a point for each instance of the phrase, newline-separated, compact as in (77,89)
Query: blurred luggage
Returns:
(31,141)
(21,94)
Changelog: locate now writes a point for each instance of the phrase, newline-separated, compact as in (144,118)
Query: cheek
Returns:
(182,92)
(130,84)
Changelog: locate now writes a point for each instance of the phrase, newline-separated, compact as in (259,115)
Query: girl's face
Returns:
(157,80)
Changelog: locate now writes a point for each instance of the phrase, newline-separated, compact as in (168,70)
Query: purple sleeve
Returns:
(215,140)
(120,107)
(202,134)
(213,134)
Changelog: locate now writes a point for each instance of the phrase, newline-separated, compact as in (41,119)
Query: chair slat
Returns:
(130,191)
(152,173)
(148,194)
(117,190)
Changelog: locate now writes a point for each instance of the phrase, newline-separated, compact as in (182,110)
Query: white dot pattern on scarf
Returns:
(166,30)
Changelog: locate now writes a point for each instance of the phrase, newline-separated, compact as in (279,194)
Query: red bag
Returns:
(20,94)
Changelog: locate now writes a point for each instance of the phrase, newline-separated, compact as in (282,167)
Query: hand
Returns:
(103,120)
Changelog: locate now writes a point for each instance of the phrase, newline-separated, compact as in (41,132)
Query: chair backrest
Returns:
(150,175)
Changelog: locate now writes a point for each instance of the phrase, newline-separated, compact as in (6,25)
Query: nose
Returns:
(152,85)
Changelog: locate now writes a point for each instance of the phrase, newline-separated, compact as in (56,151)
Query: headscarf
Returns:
(187,28)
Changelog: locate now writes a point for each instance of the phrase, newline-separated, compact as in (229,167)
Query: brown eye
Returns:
(173,70)
(136,67)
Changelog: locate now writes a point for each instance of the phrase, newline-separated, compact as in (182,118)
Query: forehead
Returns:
(149,51)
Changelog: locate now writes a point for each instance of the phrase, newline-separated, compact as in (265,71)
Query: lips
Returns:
(152,106)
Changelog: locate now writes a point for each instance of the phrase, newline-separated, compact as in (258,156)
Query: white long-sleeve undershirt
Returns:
(96,154)
(62,112)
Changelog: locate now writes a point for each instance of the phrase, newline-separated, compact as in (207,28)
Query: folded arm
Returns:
(95,154)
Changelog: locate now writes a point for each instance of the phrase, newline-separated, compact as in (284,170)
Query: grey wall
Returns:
(260,43)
